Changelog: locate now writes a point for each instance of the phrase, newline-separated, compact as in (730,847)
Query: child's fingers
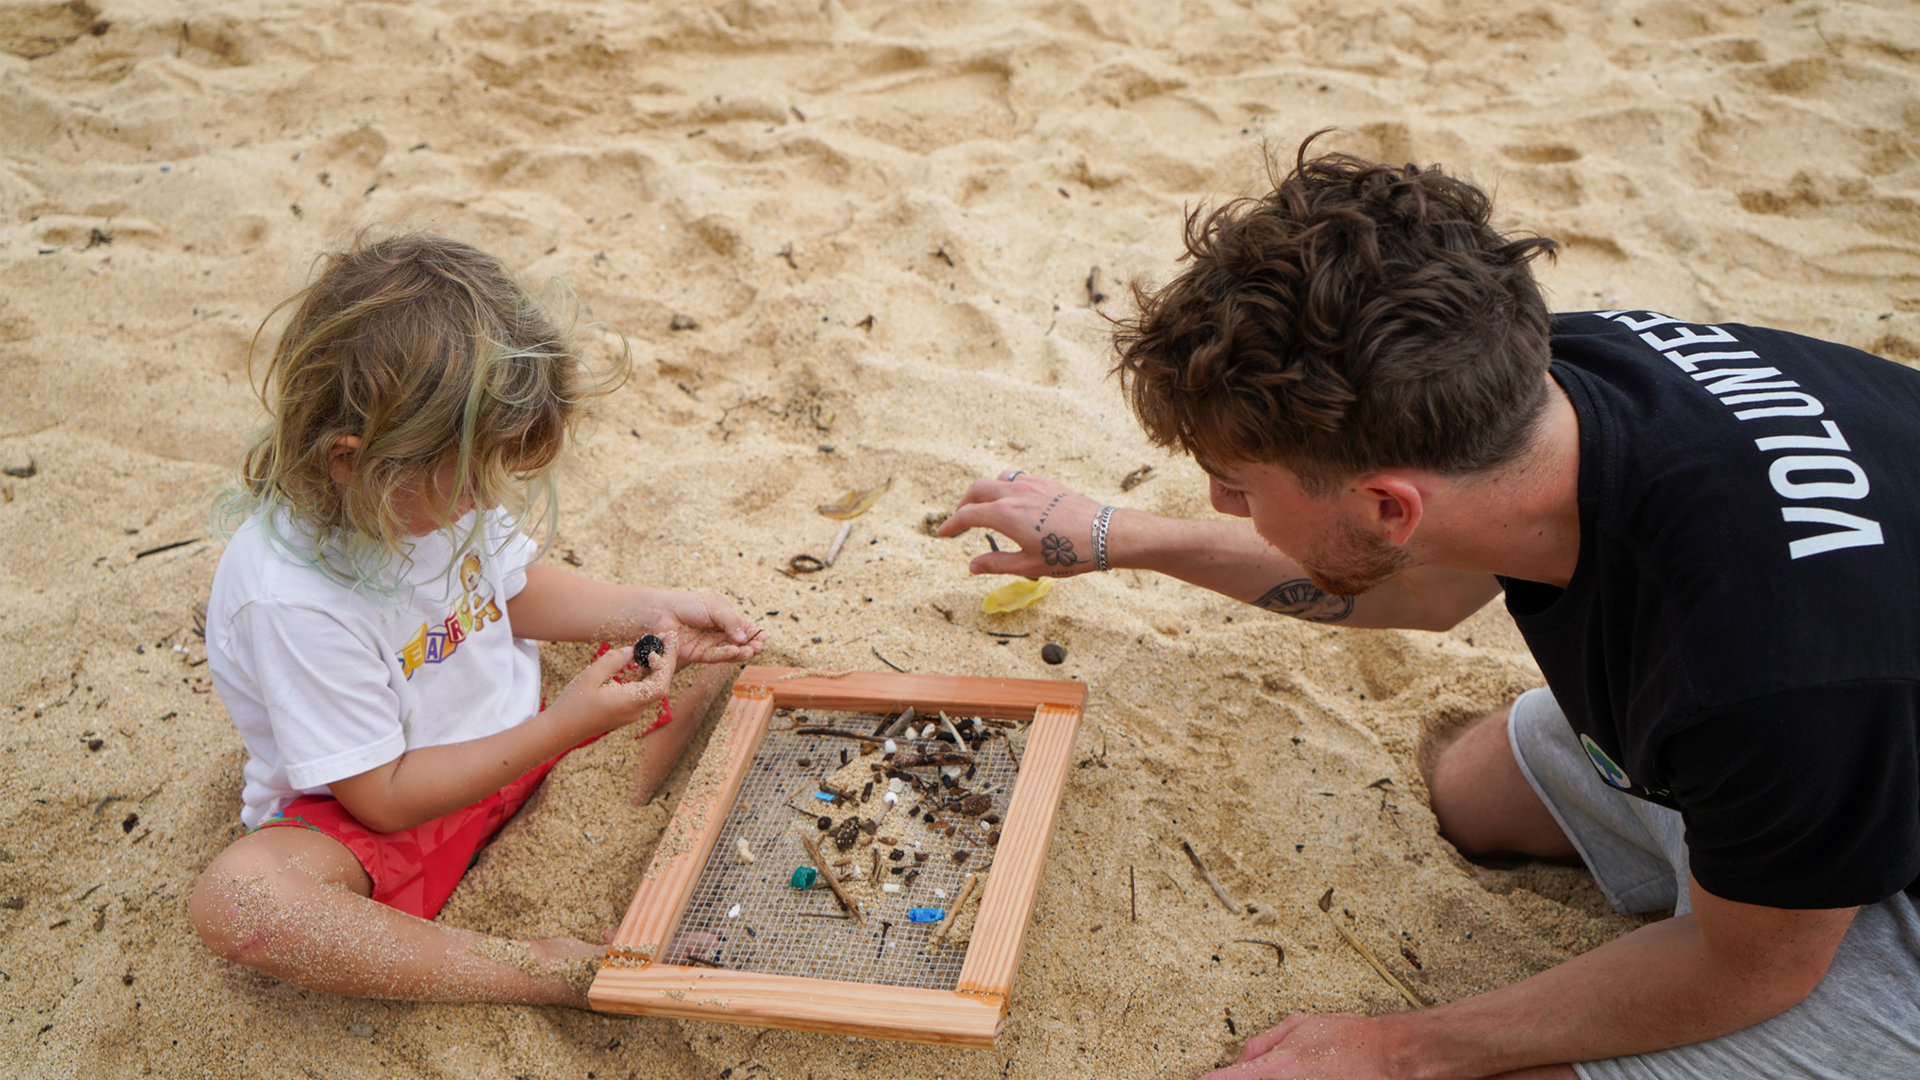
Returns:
(606,667)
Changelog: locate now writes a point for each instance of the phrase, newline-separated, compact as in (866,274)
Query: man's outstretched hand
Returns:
(1051,523)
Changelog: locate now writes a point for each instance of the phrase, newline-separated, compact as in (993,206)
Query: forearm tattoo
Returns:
(1058,551)
(1302,599)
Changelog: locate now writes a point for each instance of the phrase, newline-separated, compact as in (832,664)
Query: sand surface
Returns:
(880,218)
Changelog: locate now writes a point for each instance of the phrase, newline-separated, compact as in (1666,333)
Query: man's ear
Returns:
(340,459)
(1391,505)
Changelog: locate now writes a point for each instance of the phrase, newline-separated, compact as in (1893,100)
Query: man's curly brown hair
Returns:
(1361,316)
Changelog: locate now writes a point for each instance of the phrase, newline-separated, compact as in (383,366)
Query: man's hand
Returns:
(1335,1046)
(1051,523)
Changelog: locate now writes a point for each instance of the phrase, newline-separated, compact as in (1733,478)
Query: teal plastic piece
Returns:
(803,877)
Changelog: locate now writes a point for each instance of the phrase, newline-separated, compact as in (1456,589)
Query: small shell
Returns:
(1015,595)
(890,798)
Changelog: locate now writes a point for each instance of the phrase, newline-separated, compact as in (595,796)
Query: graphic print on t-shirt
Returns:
(1610,772)
(472,612)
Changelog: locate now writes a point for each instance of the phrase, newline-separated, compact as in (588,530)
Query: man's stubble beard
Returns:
(1354,563)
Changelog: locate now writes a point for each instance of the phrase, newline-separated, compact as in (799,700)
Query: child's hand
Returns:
(595,703)
(710,630)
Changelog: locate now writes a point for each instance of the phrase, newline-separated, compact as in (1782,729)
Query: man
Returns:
(1707,536)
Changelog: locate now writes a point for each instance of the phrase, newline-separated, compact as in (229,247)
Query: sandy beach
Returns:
(847,242)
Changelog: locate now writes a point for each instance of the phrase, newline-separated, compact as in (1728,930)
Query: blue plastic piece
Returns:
(823,796)
(926,914)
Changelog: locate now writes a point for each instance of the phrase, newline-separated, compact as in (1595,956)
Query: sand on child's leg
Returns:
(293,903)
(660,750)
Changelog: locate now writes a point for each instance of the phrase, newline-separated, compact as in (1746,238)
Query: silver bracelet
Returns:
(1100,538)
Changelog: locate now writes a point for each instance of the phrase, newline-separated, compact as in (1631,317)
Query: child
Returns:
(372,625)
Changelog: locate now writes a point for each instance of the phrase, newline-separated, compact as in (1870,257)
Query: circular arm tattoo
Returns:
(1302,599)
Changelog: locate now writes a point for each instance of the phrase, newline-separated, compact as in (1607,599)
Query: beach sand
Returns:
(879,220)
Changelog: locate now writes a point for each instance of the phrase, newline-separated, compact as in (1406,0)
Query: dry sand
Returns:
(779,173)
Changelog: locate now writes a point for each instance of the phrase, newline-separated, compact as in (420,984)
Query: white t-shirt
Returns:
(325,681)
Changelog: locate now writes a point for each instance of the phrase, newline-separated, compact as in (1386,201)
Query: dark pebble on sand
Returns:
(1053,654)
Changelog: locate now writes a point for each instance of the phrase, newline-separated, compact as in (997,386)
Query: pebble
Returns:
(1053,654)
(890,746)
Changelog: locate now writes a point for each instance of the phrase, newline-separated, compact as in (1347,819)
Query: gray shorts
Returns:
(1861,1023)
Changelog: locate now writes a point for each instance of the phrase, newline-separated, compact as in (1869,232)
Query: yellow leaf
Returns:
(1015,595)
(855,503)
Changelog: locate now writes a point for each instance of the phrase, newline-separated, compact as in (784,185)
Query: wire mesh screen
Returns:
(750,916)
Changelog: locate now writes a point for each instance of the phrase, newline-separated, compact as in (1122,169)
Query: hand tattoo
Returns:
(1302,599)
(1058,551)
(1048,512)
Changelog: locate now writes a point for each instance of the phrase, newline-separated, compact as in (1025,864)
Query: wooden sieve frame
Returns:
(970,1015)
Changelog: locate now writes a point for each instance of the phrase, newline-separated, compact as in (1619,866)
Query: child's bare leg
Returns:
(660,750)
(293,903)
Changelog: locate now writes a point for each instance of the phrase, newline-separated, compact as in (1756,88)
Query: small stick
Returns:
(1133,896)
(997,633)
(958,742)
(1279,953)
(889,663)
(833,733)
(966,893)
(822,915)
(1207,875)
(840,894)
(899,723)
(1013,757)
(702,961)
(1346,935)
(839,540)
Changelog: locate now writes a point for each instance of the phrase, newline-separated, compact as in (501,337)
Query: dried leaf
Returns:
(1015,595)
(855,503)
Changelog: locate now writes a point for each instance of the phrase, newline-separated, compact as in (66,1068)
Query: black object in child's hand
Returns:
(647,648)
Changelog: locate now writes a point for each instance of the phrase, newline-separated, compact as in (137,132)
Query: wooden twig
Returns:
(889,663)
(1207,876)
(1279,953)
(966,893)
(1013,757)
(958,742)
(834,733)
(1346,935)
(826,871)
(899,723)
(839,541)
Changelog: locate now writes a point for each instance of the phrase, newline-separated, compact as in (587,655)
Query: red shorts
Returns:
(415,870)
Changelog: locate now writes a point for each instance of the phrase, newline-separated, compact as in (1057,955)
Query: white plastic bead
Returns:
(890,746)
(889,887)
(733,912)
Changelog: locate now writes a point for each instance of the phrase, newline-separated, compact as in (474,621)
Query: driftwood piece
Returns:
(826,871)
(1207,875)
(966,894)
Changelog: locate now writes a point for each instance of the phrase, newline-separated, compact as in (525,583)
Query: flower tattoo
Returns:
(1058,551)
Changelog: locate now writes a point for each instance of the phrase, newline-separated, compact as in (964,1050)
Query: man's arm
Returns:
(1723,967)
(1053,525)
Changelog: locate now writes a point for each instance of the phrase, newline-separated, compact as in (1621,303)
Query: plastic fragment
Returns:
(890,797)
(1015,595)
(823,796)
(733,912)
(940,894)
(890,887)
(926,914)
(803,877)
(890,746)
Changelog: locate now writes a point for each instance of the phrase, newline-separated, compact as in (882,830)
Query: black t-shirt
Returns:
(1741,637)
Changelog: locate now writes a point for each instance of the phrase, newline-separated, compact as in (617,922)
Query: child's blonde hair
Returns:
(426,350)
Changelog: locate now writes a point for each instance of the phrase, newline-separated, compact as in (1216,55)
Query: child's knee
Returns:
(243,901)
